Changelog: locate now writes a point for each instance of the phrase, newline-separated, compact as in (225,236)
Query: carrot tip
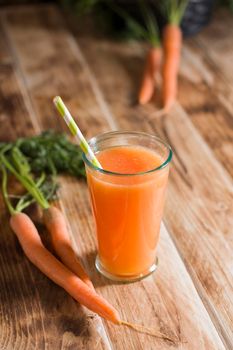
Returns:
(149,331)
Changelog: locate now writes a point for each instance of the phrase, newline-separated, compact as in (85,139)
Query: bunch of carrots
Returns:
(168,50)
(67,272)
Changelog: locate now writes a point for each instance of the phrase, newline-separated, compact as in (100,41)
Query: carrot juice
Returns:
(127,198)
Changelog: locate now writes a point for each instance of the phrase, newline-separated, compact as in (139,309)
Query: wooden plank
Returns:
(198,66)
(208,98)
(199,206)
(205,86)
(202,225)
(166,296)
(34,312)
(59,73)
(5,56)
(216,40)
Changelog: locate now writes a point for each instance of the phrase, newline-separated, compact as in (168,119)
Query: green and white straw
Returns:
(62,109)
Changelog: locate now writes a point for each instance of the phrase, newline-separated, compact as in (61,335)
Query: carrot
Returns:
(152,66)
(55,223)
(59,236)
(34,249)
(172,40)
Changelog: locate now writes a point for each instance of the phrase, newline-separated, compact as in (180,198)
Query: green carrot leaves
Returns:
(174,10)
(147,31)
(35,162)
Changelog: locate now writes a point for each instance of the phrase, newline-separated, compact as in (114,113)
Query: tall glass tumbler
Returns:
(128,207)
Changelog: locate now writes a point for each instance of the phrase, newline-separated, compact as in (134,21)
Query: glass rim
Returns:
(109,134)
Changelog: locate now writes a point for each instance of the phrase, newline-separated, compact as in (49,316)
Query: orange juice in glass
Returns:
(127,197)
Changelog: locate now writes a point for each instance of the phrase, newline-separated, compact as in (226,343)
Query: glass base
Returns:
(125,278)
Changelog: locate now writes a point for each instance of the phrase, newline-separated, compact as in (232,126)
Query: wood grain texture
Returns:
(205,85)
(34,312)
(167,300)
(216,40)
(207,97)
(199,206)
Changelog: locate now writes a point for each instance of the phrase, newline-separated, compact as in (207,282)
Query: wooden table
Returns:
(191,294)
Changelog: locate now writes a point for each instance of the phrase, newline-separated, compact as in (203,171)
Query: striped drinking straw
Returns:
(62,109)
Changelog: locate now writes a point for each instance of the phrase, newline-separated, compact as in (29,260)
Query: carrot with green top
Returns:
(172,41)
(53,217)
(149,32)
(36,252)
(151,69)
(153,58)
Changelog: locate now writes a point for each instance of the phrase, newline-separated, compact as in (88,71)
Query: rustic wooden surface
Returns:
(191,295)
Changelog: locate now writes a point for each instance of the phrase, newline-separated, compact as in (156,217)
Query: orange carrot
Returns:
(172,40)
(34,249)
(152,66)
(55,223)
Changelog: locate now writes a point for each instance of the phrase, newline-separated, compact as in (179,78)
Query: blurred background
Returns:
(197,14)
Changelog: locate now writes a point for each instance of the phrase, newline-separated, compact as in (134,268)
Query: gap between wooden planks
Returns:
(170,311)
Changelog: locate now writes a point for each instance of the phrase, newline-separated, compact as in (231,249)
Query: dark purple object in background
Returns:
(197,16)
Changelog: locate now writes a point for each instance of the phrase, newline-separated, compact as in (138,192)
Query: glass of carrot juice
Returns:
(127,197)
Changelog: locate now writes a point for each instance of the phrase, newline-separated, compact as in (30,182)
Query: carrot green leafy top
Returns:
(174,10)
(35,162)
(149,31)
